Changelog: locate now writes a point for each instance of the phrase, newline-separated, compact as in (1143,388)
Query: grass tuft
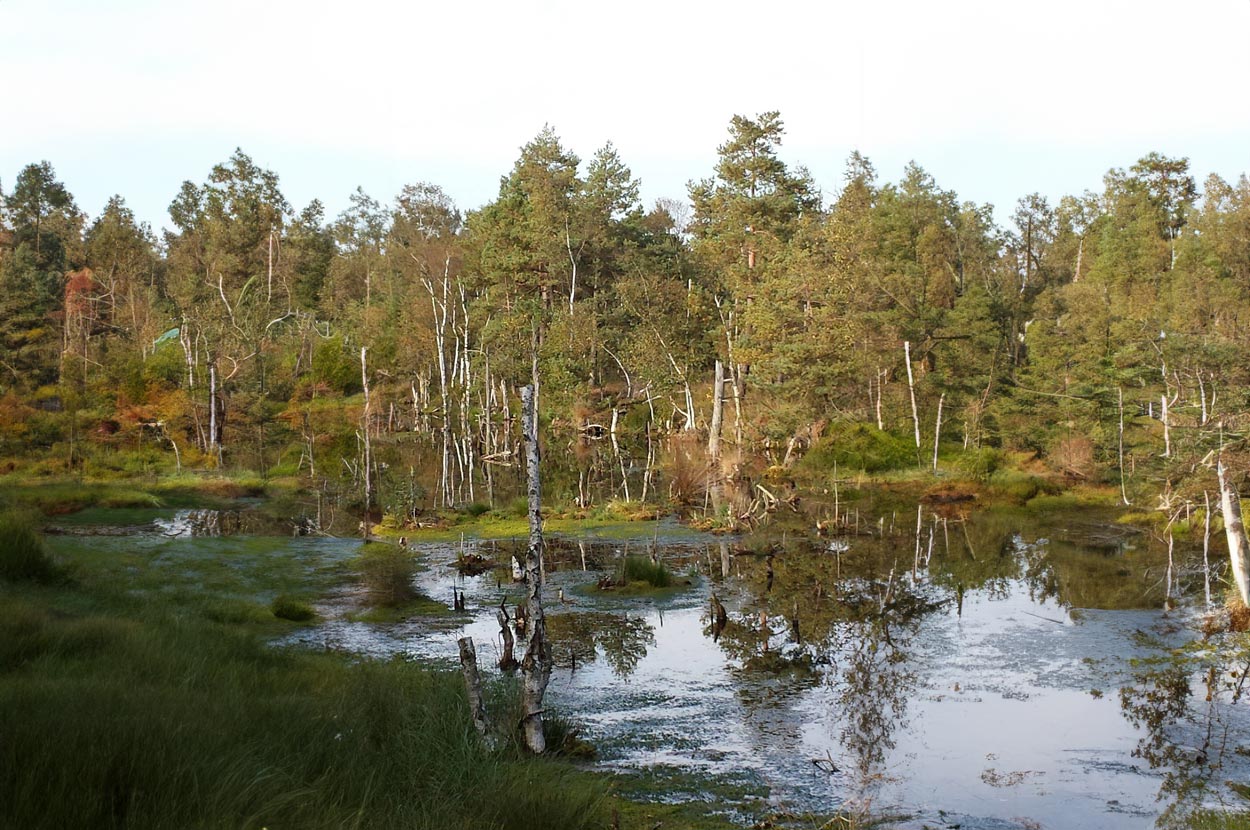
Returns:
(23,557)
(286,608)
(642,569)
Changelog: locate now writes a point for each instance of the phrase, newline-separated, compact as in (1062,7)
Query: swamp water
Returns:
(966,674)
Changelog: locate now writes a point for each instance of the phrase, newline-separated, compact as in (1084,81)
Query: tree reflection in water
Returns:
(811,615)
(874,679)
(1190,702)
(577,638)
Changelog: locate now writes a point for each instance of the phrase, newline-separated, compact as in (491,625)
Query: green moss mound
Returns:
(860,447)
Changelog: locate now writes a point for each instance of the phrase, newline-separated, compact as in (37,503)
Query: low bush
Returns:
(860,447)
(980,464)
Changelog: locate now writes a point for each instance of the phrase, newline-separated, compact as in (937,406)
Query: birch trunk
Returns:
(1206,547)
(1167,427)
(214,437)
(536,665)
(364,380)
(1235,530)
(911,388)
(1123,490)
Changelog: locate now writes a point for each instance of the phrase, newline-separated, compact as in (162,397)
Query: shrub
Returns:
(1073,455)
(980,464)
(1021,487)
(860,447)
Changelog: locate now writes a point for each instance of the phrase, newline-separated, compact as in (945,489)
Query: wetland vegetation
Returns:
(861,513)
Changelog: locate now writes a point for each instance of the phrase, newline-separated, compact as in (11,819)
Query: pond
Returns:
(935,667)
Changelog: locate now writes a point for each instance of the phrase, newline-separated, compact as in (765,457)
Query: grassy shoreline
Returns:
(143,690)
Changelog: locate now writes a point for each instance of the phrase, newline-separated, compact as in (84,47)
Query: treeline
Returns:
(1104,332)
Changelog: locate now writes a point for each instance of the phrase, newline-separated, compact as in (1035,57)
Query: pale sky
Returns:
(995,99)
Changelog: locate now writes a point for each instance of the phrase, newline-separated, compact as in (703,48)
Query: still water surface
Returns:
(965,675)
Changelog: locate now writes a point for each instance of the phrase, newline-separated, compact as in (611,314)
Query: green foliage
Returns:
(1019,486)
(855,447)
(1028,333)
(980,464)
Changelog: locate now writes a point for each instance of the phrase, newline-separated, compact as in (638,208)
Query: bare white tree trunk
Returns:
(911,388)
(269,283)
(364,380)
(1167,427)
(536,665)
(1235,530)
(937,430)
(214,445)
(880,381)
(1123,490)
(1206,547)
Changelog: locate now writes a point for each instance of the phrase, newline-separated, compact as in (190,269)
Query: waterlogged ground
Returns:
(966,674)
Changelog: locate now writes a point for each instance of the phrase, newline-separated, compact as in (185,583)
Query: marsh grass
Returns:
(61,496)
(638,575)
(155,718)
(291,609)
(23,556)
(642,569)
(388,572)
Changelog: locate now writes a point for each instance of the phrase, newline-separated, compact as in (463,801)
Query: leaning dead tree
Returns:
(536,665)
(1235,530)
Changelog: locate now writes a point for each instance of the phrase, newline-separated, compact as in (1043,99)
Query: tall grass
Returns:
(169,721)
(387,572)
(22,553)
(642,569)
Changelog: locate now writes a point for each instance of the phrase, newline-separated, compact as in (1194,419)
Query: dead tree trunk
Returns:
(364,380)
(718,403)
(536,665)
(1206,548)
(1235,530)
(507,660)
(1123,489)
(911,388)
(1167,426)
(214,438)
(473,685)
